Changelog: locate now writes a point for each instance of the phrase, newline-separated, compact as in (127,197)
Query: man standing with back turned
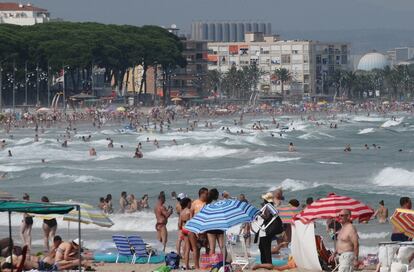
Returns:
(347,245)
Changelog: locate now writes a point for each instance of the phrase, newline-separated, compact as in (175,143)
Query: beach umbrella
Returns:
(88,215)
(43,110)
(221,215)
(287,213)
(176,99)
(403,220)
(330,207)
(6,196)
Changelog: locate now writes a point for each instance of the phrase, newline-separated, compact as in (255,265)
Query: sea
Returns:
(251,163)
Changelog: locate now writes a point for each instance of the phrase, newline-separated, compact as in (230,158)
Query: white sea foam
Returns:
(392,123)
(13,168)
(374,235)
(331,163)
(189,151)
(73,178)
(391,176)
(140,221)
(274,158)
(369,119)
(295,185)
(366,131)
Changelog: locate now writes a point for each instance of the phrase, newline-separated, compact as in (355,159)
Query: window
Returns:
(318,59)
(285,59)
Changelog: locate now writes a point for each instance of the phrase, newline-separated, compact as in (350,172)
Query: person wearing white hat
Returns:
(67,254)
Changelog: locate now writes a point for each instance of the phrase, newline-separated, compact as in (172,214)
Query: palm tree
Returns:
(283,75)
(349,82)
(213,81)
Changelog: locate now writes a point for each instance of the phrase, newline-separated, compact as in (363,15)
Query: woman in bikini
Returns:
(49,228)
(185,215)
(26,228)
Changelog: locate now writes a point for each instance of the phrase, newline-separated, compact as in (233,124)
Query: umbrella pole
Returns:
(224,250)
(10,242)
(79,233)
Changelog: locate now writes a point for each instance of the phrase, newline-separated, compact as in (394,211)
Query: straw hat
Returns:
(268,197)
(77,242)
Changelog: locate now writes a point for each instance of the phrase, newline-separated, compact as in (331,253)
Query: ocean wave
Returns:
(391,176)
(274,158)
(374,235)
(295,185)
(392,123)
(73,178)
(140,221)
(366,130)
(189,151)
(13,168)
(331,163)
(369,119)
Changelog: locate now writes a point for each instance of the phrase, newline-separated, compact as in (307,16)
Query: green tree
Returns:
(284,76)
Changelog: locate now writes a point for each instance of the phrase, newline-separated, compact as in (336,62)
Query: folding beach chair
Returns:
(241,260)
(123,247)
(140,247)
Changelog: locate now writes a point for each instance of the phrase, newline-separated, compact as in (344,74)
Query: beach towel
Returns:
(304,246)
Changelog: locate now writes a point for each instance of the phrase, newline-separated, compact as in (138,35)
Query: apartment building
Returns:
(310,63)
(20,14)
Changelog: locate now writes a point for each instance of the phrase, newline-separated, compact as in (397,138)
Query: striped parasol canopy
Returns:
(221,215)
(330,207)
(6,196)
(287,213)
(403,220)
(89,215)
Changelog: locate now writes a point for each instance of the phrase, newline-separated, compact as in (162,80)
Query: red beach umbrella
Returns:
(403,220)
(330,207)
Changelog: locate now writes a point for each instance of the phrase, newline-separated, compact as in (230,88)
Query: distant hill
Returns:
(362,40)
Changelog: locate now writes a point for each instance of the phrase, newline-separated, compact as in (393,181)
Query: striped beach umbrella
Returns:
(330,207)
(89,215)
(221,215)
(287,213)
(403,220)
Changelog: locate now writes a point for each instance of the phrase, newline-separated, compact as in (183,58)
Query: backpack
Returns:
(172,260)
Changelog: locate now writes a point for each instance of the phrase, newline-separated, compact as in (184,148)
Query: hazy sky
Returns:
(284,15)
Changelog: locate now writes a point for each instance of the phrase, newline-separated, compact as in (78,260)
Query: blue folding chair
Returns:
(123,247)
(140,247)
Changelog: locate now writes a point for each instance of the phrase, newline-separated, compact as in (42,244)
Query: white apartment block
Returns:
(19,14)
(310,63)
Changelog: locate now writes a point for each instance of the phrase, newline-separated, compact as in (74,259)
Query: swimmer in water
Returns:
(174,142)
(36,138)
(347,148)
(92,152)
(65,143)
(291,147)
(10,153)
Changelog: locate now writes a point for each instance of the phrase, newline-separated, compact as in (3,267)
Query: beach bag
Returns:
(207,261)
(172,260)
(218,267)
(163,268)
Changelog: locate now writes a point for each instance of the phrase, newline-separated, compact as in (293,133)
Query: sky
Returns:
(287,15)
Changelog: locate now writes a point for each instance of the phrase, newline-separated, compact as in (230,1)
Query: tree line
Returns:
(79,47)
(394,82)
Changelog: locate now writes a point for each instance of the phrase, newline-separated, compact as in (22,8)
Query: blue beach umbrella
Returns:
(221,215)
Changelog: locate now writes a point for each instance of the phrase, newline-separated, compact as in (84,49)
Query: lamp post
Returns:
(1,88)
(48,84)
(64,90)
(37,85)
(25,83)
(14,85)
